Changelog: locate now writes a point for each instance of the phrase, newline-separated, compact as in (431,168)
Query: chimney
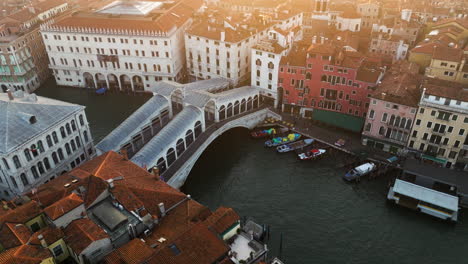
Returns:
(223,36)
(111,183)
(124,153)
(162,209)
(32,10)
(10,95)
(155,172)
(42,240)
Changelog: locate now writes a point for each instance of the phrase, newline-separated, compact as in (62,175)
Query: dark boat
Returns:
(101,91)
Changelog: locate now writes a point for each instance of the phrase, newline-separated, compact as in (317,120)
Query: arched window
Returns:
(368,127)
(397,121)
(85,134)
(392,119)
(73,125)
(40,146)
(323,78)
(161,164)
(381,130)
(189,137)
(180,146)
(81,120)
(62,132)
(308,76)
(67,148)
(40,167)
(403,122)
(6,163)
(384,117)
(17,162)
(258,62)
(258,73)
(24,179)
(270,76)
(54,137)
(271,65)
(49,141)
(73,145)
(46,163)
(371,114)
(198,129)
(60,154)
(54,158)
(170,157)
(34,172)
(78,143)
(67,126)
(14,182)
(27,154)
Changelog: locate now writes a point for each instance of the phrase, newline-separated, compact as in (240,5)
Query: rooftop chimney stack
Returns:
(155,172)
(111,183)
(10,95)
(124,153)
(162,209)
(42,240)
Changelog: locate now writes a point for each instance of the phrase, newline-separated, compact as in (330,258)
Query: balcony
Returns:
(439,133)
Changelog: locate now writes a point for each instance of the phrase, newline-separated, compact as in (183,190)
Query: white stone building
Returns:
(40,138)
(266,57)
(389,45)
(23,59)
(122,46)
(370,13)
(221,46)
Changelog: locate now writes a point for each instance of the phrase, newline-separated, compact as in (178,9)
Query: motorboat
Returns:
(295,145)
(283,140)
(360,171)
(312,154)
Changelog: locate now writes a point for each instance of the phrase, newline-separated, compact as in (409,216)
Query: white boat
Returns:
(312,154)
(295,145)
(360,171)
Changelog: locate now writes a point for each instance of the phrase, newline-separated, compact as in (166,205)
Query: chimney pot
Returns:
(162,209)
(10,95)
(155,172)
(42,240)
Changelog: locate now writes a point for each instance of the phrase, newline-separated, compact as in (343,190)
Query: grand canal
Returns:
(322,218)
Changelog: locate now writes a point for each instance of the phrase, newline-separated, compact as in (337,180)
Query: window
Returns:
(461,132)
(60,154)
(381,131)
(34,172)
(17,162)
(14,182)
(429,124)
(40,167)
(67,148)
(24,180)
(54,158)
(62,132)
(54,137)
(46,163)
(85,134)
(452,154)
(57,250)
(49,141)
(371,114)
(418,122)
(27,154)
(73,125)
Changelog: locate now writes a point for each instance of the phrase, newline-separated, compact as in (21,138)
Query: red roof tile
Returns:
(134,252)
(80,233)
(50,235)
(63,206)
(222,219)
(24,254)
(13,235)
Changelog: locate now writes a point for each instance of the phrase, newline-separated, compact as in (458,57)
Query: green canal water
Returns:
(322,218)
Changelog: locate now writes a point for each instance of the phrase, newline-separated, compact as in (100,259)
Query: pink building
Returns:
(392,109)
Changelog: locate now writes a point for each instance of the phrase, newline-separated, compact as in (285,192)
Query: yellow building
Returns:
(441,127)
(448,64)
(456,29)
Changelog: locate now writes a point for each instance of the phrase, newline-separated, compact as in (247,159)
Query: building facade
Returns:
(23,58)
(370,13)
(121,46)
(389,45)
(440,131)
(448,63)
(42,139)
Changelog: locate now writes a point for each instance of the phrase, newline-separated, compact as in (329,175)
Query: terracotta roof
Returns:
(50,235)
(297,56)
(401,88)
(63,206)
(446,89)
(222,219)
(134,252)
(21,214)
(198,245)
(13,235)
(24,254)
(461,22)
(426,48)
(447,54)
(80,233)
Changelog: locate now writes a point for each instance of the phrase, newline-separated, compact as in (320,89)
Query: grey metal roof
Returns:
(198,98)
(209,85)
(167,136)
(165,88)
(133,123)
(237,93)
(15,127)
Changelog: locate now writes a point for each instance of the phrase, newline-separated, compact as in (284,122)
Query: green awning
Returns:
(442,161)
(348,122)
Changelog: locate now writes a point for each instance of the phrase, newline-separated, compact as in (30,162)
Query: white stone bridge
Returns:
(180,121)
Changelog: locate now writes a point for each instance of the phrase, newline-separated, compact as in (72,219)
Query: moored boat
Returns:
(360,171)
(295,145)
(101,91)
(312,154)
(283,140)
(267,132)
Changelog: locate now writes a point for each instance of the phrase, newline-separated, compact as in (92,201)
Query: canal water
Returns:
(322,218)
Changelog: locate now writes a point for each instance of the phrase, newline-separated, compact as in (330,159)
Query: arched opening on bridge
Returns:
(189,137)
(249,104)
(210,109)
(229,110)
(243,106)
(222,112)
(236,108)
(170,157)
(89,80)
(177,99)
(138,83)
(255,102)
(198,129)
(113,82)
(161,164)
(101,80)
(4,88)
(125,82)
(180,147)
